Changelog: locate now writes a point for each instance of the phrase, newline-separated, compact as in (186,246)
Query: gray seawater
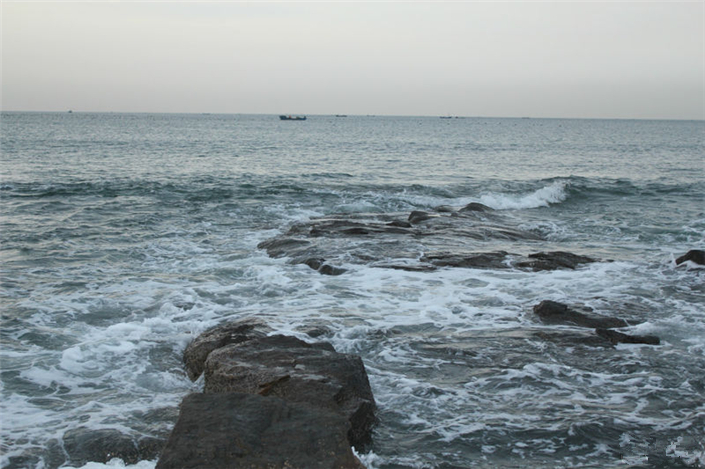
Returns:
(123,236)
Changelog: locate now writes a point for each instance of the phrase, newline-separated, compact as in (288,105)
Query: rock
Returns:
(417,216)
(280,247)
(552,312)
(224,431)
(694,255)
(325,269)
(475,207)
(620,338)
(214,338)
(481,260)
(399,224)
(554,260)
(299,372)
(83,445)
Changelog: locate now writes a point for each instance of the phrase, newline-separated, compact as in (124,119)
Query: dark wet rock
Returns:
(409,267)
(284,246)
(83,445)
(380,239)
(224,431)
(418,216)
(552,312)
(331,270)
(554,260)
(621,338)
(445,209)
(214,338)
(694,255)
(572,339)
(51,456)
(482,260)
(399,223)
(315,262)
(319,265)
(300,372)
(475,207)
(316,331)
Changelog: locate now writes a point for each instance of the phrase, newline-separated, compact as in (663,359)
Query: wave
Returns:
(552,194)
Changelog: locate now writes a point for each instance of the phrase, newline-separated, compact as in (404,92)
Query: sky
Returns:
(643,60)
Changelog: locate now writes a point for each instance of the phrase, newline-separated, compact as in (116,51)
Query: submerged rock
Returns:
(320,265)
(297,371)
(478,260)
(554,260)
(224,431)
(694,255)
(552,312)
(83,445)
(417,216)
(475,207)
(620,338)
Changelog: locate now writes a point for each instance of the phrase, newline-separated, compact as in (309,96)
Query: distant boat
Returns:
(70,111)
(293,118)
(341,115)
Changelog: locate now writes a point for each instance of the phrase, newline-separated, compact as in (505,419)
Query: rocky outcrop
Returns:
(421,241)
(225,431)
(694,255)
(270,401)
(552,312)
(395,239)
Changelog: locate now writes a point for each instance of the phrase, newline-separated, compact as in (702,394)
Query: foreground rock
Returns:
(298,372)
(552,312)
(694,255)
(270,402)
(224,431)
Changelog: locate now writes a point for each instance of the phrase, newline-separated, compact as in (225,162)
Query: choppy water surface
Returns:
(126,235)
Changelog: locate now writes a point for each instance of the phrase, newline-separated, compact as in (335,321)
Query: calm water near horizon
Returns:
(124,236)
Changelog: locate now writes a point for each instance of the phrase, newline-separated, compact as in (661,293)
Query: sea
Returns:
(124,236)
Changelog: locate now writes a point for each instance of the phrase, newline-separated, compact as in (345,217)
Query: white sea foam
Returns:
(116,463)
(551,194)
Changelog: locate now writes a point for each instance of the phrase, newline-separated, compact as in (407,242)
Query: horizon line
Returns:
(454,116)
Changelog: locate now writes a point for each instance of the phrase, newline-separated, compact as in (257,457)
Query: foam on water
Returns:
(116,463)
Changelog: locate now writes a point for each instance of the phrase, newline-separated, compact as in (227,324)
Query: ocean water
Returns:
(124,236)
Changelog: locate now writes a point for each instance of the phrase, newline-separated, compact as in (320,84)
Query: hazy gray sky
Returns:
(539,59)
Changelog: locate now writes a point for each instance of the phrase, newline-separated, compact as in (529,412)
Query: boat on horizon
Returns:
(292,118)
